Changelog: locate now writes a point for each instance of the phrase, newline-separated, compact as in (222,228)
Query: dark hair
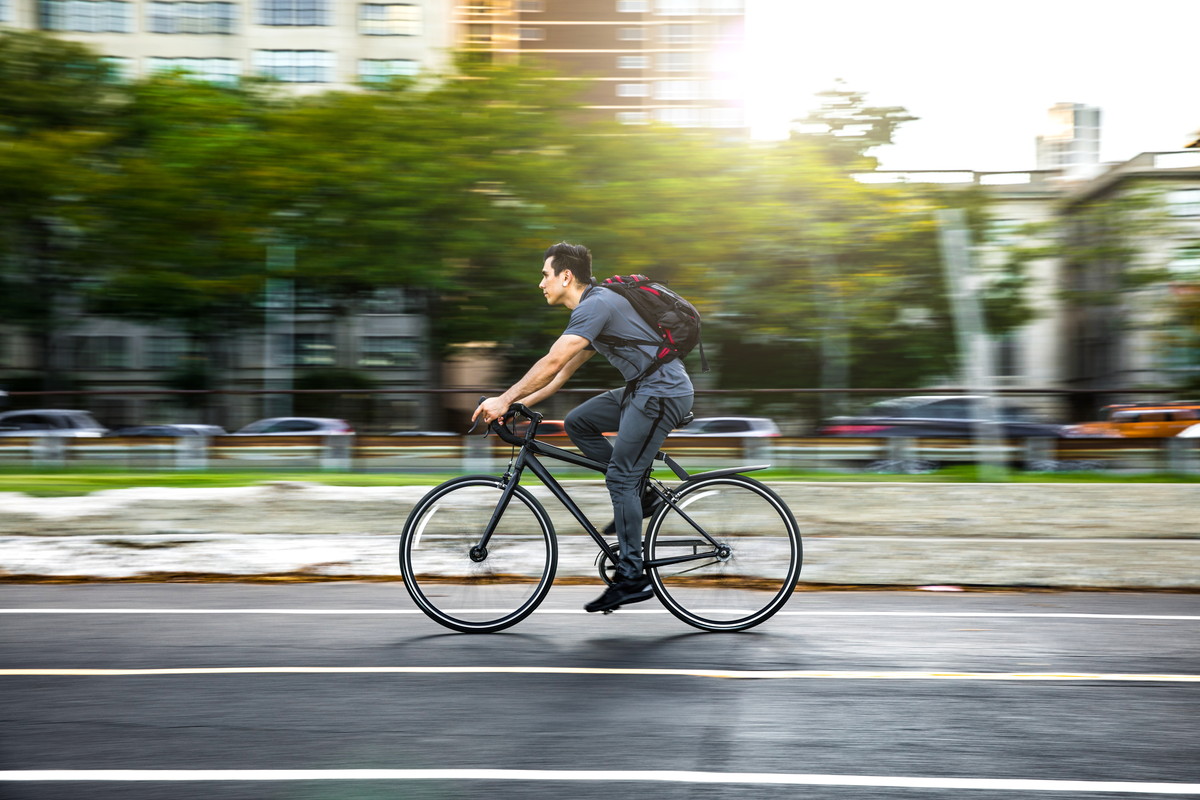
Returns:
(574,257)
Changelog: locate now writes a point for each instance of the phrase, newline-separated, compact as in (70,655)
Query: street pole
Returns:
(974,350)
(279,356)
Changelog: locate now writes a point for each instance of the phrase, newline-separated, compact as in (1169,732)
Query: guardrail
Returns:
(460,454)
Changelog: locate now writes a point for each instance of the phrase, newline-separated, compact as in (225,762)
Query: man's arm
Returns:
(562,377)
(540,376)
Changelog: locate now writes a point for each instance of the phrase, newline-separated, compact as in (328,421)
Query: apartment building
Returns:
(309,45)
(641,61)
(1096,327)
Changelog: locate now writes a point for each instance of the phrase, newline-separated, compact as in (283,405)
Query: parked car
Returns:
(50,422)
(295,426)
(728,426)
(174,430)
(1140,420)
(934,416)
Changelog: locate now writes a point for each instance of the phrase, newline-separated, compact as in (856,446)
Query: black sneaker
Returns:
(622,593)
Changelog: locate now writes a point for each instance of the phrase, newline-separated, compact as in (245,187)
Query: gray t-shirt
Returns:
(602,311)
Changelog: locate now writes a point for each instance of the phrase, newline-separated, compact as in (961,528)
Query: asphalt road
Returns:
(844,695)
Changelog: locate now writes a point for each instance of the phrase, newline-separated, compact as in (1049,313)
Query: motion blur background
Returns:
(215,212)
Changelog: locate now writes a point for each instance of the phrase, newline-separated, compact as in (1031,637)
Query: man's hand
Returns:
(492,409)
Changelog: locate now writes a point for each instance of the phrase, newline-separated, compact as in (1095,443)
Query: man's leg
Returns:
(587,423)
(640,434)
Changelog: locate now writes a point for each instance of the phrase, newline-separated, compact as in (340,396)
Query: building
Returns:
(310,45)
(1121,316)
(641,61)
(1071,141)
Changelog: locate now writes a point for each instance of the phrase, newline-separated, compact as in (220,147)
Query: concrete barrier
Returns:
(1051,535)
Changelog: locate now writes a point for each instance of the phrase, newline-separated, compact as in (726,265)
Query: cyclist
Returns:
(603,321)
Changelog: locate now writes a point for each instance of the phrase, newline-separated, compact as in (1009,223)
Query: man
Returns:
(660,401)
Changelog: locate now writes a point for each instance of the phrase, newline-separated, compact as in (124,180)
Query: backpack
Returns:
(676,320)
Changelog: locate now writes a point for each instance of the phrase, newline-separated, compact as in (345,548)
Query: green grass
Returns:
(61,483)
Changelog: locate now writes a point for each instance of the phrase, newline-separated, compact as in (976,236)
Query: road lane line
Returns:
(905,675)
(605,776)
(624,611)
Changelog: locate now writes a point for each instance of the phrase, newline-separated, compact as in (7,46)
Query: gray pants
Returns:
(641,428)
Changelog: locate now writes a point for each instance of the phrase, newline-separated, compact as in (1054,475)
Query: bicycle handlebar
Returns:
(498,426)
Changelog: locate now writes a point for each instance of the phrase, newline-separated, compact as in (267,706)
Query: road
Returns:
(183,691)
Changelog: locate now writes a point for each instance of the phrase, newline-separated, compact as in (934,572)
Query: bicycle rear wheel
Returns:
(467,588)
(742,579)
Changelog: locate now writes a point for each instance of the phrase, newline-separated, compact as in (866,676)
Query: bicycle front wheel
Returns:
(466,586)
(727,556)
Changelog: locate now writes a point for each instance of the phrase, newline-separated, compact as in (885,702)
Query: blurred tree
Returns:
(846,128)
(55,100)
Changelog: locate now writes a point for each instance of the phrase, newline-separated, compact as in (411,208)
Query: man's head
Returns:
(566,272)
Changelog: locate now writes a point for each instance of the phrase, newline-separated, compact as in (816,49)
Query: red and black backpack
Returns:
(676,320)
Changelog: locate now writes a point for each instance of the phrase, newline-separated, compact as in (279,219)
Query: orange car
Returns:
(1140,420)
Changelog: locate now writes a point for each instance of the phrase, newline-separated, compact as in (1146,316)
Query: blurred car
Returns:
(1140,420)
(547,427)
(728,426)
(174,430)
(423,433)
(935,416)
(1190,433)
(295,426)
(50,422)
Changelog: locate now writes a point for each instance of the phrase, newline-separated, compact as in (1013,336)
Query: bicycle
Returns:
(478,553)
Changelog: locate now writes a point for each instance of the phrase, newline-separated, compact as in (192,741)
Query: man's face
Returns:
(552,285)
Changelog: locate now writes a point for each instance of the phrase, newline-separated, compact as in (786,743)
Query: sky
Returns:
(981,76)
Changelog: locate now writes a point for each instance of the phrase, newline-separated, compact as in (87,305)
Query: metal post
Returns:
(279,332)
(974,351)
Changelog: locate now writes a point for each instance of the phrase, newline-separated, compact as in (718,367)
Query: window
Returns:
(295,66)
(313,350)
(389,352)
(678,90)
(676,62)
(681,117)
(1185,264)
(633,62)
(165,352)
(100,352)
(121,68)
(531,34)
(293,12)
(5,11)
(1184,203)
(666,7)
(631,34)
(633,6)
(679,34)
(725,6)
(86,16)
(382,70)
(633,118)
(190,17)
(389,19)
(633,90)
(217,70)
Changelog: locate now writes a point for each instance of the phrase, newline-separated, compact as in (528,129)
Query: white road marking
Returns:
(755,674)
(624,611)
(605,776)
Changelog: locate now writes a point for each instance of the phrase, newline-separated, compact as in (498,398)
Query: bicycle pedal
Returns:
(610,610)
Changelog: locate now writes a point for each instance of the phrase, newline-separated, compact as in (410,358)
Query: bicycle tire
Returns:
(483,593)
(745,586)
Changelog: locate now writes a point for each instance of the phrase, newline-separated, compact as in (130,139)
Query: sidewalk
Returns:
(1137,536)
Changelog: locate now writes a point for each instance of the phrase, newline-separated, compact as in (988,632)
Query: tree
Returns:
(55,98)
(846,128)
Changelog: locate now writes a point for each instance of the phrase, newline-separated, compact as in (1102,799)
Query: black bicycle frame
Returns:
(530,448)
